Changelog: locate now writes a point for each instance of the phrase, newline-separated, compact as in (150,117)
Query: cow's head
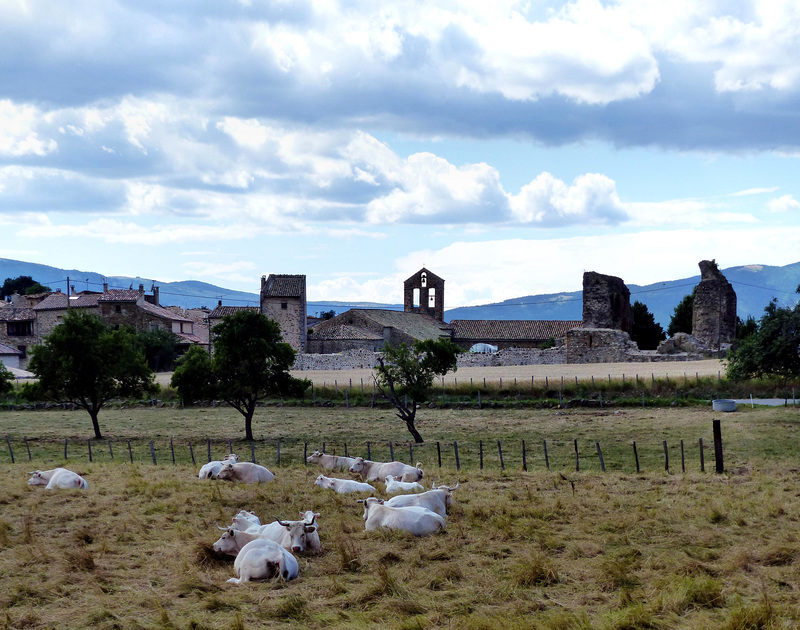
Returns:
(227,542)
(298,531)
(321,481)
(368,503)
(231,457)
(358,465)
(314,457)
(226,471)
(448,493)
(389,479)
(37,479)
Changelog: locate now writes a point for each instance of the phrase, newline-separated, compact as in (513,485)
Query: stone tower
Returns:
(283,298)
(606,302)
(714,312)
(424,293)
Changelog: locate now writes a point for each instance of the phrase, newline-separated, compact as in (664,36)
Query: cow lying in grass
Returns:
(416,520)
(244,472)
(436,500)
(212,468)
(330,462)
(378,471)
(393,486)
(57,478)
(297,536)
(342,486)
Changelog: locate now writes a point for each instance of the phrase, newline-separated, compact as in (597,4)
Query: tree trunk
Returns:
(93,413)
(248,421)
(413,431)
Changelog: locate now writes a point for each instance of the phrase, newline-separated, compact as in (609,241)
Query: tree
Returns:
(745,328)
(160,349)
(645,331)
(86,362)
(681,320)
(772,350)
(251,362)
(6,380)
(193,378)
(24,285)
(404,375)
(326,315)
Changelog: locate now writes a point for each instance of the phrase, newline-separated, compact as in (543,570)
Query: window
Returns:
(22,351)
(284,306)
(431,298)
(20,329)
(118,308)
(423,279)
(416,298)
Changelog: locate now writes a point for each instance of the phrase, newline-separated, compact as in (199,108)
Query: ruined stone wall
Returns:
(606,302)
(598,345)
(714,312)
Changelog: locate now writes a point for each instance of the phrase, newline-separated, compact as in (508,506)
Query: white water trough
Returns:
(723,404)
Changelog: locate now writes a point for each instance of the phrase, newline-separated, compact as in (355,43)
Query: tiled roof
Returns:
(192,339)
(4,349)
(222,311)
(121,295)
(415,325)
(284,286)
(345,332)
(16,314)
(60,301)
(512,329)
(163,313)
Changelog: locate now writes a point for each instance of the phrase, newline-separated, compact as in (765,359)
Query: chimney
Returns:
(155,296)
(105,287)
(219,303)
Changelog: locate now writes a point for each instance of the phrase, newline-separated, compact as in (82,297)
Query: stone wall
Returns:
(599,345)
(714,312)
(606,302)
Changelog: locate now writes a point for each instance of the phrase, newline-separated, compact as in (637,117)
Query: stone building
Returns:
(424,293)
(714,311)
(18,330)
(283,299)
(511,333)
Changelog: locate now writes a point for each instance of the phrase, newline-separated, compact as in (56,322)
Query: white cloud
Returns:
(786,203)
(19,133)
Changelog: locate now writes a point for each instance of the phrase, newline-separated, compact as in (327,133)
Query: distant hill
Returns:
(755,286)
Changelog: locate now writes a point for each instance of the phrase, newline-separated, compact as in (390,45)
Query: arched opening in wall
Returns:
(416,298)
(423,279)
(431,298)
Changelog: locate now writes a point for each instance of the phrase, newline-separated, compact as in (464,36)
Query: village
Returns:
(351,339)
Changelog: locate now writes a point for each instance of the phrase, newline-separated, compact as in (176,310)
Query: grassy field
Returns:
(538,549)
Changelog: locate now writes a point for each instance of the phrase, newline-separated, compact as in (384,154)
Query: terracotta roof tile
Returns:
(16,314)
(485,329)
(342,332)
(223,311)
(284,286)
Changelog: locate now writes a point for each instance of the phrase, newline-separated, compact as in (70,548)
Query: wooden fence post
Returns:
(524,458)
(666,457)
(391,450)
(172,450)
(411,453)
(683,459)
(500,452)
(636,456)
(720,468)
(600,455)
(65,448)
(89,444)
(153,452)
(111,450)
(702,457)
(480,449)
(230,447)
(369,454)
(191,452)
(208,447)
(439,453)
(305,453)
(455,450)
(546,458)
(252,451)
(28,448)
(130,452)
(10,451)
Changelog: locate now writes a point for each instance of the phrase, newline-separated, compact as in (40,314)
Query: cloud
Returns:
(786,203)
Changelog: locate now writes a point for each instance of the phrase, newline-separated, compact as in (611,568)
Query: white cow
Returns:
(436,500)
(330,462)
(211,469)
(57,478)
(342,486)
(264,560)
(375,471)
(416,520)
(245,472)
(393,486)
(296,536)
(245,520)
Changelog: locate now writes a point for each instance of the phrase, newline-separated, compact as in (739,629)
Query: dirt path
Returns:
(583,371)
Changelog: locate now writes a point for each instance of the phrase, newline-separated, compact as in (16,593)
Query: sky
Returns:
(506,146)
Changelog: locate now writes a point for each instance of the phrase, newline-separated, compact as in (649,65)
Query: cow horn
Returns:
(313,518)
(284,524)
(224,529)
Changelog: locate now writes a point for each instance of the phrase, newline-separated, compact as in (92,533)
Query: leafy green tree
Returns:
(251,362)
(193,378)
(645,331)
(160,349)
(745,328)
(681,320)
(772,350)
(404,375)
(86,362)
(6,380)
(24,285)
(325,315)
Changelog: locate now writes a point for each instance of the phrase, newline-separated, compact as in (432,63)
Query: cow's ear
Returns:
(380,501)
(310,529)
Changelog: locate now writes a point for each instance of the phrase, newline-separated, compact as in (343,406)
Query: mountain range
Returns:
(755,286)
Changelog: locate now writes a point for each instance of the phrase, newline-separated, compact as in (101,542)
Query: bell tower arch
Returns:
(428,289)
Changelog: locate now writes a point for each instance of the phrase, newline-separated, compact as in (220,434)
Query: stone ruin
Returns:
(714,313)
(606,302)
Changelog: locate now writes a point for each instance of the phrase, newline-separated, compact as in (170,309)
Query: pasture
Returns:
(539,549)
